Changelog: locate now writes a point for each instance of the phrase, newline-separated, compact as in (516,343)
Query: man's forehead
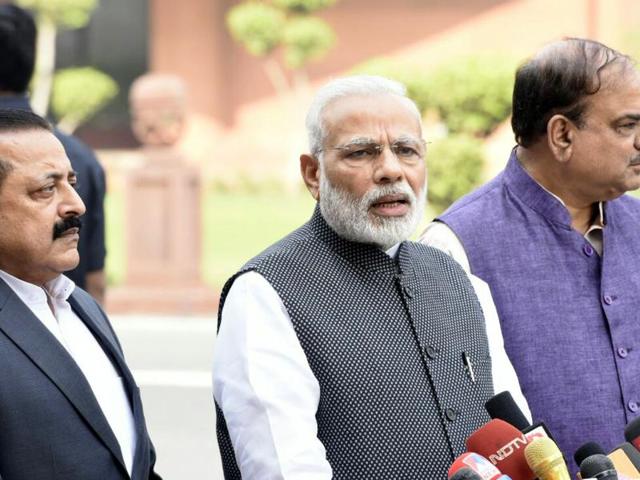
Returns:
(370,117)
(24,147)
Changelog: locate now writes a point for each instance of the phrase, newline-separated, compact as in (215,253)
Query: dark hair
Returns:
(558,81)
(14,121)
(17,48)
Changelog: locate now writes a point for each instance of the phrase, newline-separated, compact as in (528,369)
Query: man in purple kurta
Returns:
(559,243)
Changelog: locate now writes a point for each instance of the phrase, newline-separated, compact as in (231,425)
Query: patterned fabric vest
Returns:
(385,338)
(570,319)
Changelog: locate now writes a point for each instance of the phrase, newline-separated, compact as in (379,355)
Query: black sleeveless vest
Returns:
(386,339)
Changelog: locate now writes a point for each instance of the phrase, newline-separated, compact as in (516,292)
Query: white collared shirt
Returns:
(264,384)
(79,342)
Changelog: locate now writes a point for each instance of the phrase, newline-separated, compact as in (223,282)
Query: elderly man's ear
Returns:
(560,136)
(310,169)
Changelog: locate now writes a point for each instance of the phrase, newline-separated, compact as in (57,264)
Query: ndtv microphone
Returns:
(503,445)
(480,465)
(632,432)
(598,466)
(504,407)
(546,460)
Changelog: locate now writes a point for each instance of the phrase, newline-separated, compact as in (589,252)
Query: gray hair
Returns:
(358,85)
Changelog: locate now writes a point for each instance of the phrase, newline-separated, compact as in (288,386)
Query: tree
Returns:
(72,109)
(51,15)
(288,25)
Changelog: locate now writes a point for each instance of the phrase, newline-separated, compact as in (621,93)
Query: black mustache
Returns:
(65,224)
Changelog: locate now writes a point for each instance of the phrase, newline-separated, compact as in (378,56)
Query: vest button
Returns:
(587,249)
(608,300)
(451,414)
(623,352)
(432,352)
(633,406)
(408,291)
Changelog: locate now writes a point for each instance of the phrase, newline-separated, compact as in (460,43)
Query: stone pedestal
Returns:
(162,208)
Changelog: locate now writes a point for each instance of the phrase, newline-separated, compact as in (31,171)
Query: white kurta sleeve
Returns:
(263,383)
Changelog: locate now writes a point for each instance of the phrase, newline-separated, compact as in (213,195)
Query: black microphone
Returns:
(465,473)
(502,406)
(632,432)
(586,450)
(598,466)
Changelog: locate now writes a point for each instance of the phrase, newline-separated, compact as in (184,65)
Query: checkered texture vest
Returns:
(385,338)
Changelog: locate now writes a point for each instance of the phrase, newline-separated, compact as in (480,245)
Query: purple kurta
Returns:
(570,320)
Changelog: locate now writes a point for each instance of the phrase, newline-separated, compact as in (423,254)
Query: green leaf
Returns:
(63,13)
(79,93)
(303,6)
(455,165)
(257,26)
(306,39)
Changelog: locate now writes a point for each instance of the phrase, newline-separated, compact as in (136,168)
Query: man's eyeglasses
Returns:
(368,150)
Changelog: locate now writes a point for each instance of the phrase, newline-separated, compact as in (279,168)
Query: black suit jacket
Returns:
(51,426)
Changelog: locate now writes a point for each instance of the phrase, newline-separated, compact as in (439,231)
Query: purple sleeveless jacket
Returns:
(570,319)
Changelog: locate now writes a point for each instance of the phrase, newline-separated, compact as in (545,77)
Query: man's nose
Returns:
(71,204)
(388,168)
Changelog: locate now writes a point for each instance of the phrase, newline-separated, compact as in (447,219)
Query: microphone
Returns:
(503,445)
(546,460)
(626,460)
(586,450)
(632,432)
(502,406)
(478,464)
(465,473)
(599,467)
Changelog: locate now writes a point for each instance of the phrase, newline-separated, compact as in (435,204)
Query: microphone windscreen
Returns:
(504,407)
(598,466)
(632,432)
(546,460)
(477,463)
(465,473)
(503,445)
(586,450)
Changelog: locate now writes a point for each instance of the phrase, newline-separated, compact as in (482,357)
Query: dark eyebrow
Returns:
(59,176)
(629,116)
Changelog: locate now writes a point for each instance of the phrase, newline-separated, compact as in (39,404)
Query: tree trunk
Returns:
(45,63)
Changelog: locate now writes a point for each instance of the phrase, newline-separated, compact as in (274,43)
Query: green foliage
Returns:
(472,95)
(413,78)
(454,165)
(257,26)
(78,93)
(303,6)
(263,27)
(63,13)
(305,39)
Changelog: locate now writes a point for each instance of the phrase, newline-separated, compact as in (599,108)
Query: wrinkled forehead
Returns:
(380,118)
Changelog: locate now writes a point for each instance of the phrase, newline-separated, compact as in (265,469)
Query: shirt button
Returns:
(431,352)
(633,406)
(587,249)
(608,300)
(451,414)
(408,291)
(623,352)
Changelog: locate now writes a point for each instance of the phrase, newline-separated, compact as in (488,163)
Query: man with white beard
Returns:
(345,351)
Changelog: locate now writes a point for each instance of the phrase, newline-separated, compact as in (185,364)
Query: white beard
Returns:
(349,217)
